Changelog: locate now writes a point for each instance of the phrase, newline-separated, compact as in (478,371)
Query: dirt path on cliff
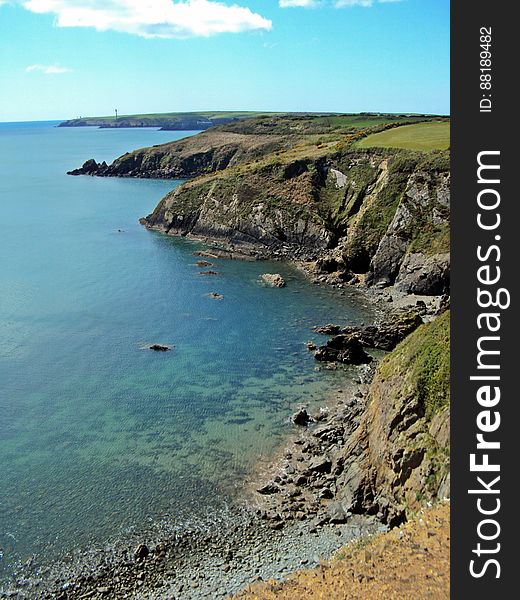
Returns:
(409,562)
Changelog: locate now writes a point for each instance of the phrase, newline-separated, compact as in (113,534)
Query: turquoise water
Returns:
(97,434)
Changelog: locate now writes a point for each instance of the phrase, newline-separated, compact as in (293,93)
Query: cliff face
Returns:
(378,213)
(399,455)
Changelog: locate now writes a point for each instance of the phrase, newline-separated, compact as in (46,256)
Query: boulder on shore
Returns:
(301,418)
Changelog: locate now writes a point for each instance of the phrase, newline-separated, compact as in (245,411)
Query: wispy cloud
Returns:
(153,18)
(48,69)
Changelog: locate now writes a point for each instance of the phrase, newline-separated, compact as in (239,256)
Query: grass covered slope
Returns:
(422,363)
(421,136)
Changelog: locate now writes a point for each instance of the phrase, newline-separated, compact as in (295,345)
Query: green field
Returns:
(421,136)
(364,120)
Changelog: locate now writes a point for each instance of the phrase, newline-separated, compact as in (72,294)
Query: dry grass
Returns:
(408,562)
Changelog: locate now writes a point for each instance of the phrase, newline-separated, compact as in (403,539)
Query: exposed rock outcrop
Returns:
(424,275)
(384,336)
(345,349)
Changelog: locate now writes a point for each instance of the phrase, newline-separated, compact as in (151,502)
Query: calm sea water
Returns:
(98,435)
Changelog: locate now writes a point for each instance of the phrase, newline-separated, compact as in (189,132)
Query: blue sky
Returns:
(64,58)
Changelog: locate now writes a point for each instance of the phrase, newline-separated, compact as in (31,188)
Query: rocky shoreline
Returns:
(289,517)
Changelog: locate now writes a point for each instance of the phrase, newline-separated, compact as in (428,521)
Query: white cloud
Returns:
(48,69)
(152,18)
(298,3)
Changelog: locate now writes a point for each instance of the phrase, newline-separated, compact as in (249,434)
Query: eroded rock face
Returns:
(424,207)
(245,212)
(424,275)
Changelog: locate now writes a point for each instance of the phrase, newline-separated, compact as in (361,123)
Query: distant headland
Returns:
(198,121)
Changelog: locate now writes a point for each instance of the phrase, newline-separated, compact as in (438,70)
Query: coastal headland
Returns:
(319,191)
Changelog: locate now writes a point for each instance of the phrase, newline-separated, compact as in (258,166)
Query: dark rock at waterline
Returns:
(216,296)
(387,335)
(346,349)
(301,417)
(384,336)
(89,167)
(159,348)
(204,263)
(208,273)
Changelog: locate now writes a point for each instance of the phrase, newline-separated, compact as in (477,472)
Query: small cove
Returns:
(98,435)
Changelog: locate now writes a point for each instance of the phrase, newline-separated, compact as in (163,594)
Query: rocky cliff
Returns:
(399,455)
(380,213)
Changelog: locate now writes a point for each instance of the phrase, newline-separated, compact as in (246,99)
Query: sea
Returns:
(101,437)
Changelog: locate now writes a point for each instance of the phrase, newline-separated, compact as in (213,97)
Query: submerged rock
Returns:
(160,348)
(273,280)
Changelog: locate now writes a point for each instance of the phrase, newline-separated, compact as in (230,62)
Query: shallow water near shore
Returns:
(97,433)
